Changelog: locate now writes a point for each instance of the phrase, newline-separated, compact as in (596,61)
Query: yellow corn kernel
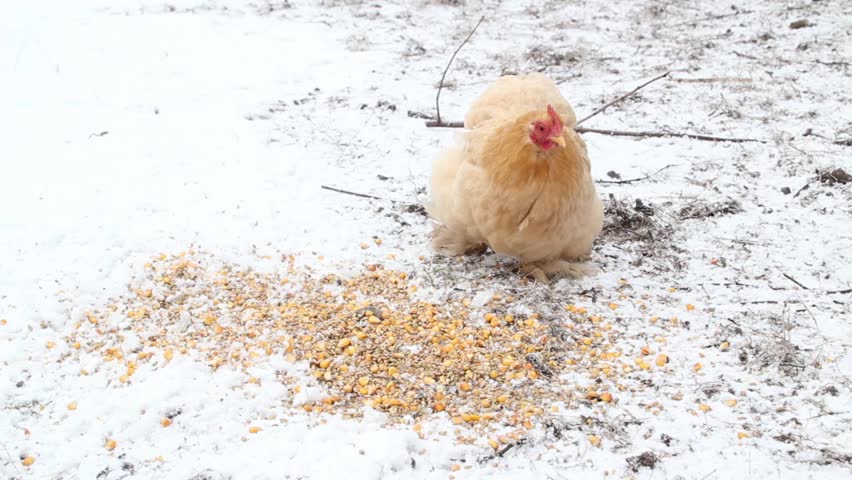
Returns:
(325,363)
(606,397)
(594,440)
(166,422)
(28,461)
(111,444)
(343,343)
(731,403)
(724,346)
(255,428)
(439,407)
(662,359)
(690,307)
(464,387)
(72,406)
(704,407)
(698,366)
(742,435)
(494,444)
(393,371)
(169,354)
(363,381)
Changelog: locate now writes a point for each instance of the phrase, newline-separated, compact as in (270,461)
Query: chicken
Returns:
(518,182)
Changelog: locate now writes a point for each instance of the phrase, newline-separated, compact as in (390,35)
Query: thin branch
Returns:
(621,98)
(638,179)
(788,277)
(619,133)
(439,124)
(444,75)
(711,17)
(833,292)
(347,192)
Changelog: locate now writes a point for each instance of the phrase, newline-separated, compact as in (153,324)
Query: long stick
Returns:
(347,192)
(441,84)
(710,138)
(621,98)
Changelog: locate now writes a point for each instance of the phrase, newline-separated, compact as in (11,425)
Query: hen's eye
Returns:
(540,128)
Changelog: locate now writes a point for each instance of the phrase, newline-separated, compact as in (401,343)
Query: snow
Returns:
(135,127)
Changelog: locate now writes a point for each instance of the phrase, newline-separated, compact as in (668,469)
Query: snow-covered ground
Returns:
(131,129)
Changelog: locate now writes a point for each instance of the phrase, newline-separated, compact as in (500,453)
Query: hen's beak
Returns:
(559,140)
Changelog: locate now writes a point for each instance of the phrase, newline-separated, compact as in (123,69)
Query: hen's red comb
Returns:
(554,117)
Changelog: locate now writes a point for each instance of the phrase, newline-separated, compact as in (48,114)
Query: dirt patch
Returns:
(729,207)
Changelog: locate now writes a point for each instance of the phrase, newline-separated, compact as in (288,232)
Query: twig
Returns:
(444,75)
(621,98)
(744,55)
(435,123)
(846,290)
(816,324)
(705,477)
(804,187)
(347,192)
(619,133)
(711,17)
(788,277)
(638,179)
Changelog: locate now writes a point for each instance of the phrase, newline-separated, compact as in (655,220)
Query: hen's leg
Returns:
(557,268)
(452,243)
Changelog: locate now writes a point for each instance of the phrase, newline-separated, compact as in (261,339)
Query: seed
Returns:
(111,444)
(439,407)
(254,429)
(662,359)
(742,435)
(494,444)
(464,387)
(166,422)
(594,440)
(731,403)
(697,367)
(28,461)
(73,405)
(343,343)
(704,407)
(363,381)
(325,363)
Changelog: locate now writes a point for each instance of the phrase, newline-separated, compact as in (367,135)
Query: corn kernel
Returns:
(493,443)
(72,406)
(742,435)
(698,366)
(464,387)
(254,429)
(166,422)
(111,444)
(28,461)
(731,403)
(662,359)
(704,407)
(594,440)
